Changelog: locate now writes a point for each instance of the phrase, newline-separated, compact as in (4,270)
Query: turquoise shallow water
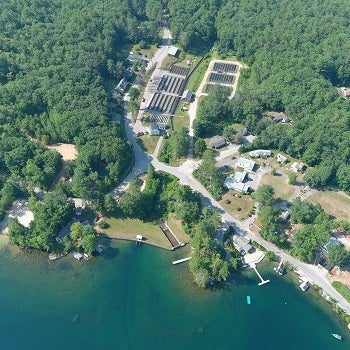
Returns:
(133,298)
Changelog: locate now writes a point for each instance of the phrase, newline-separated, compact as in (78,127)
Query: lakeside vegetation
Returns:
(342,289)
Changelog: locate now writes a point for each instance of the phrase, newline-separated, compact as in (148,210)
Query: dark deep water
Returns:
(134,298)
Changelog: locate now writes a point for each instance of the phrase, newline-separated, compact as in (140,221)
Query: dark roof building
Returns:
(217,142)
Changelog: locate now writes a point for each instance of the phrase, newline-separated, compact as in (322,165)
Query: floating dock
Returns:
(253,266)
(248,300)
(181,260)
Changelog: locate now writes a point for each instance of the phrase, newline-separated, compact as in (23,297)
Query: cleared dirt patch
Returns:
(66,150)
(336,204)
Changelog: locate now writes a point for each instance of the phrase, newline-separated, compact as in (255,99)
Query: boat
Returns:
(304,286)
(248,300)
(337,336)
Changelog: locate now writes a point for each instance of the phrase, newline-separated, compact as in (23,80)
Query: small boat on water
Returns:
(337,336)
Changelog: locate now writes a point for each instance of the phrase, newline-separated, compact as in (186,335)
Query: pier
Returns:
(253,266)
(181,260)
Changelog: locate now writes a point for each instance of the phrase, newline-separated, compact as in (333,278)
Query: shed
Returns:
(173,50)
(217,142)
(246,164)
(296,166)
(281,158)
(285,215)
(187,95)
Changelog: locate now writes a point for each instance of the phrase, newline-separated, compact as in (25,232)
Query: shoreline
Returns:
(104,236)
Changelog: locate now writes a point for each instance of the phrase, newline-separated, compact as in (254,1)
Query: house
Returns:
(154,129)
(122,85)
(231,184)
(260,153)
(241,244)
(246,164)
(187,95)
(297,166)
(135,57)
(280,118)
(173,51)
(240,176)
(281,159)
(217,142)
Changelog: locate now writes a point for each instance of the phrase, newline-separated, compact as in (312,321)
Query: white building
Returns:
(231,184)
(246,164)
(240,176)
(297,166)
(260,153)
(281,158)
(173,51)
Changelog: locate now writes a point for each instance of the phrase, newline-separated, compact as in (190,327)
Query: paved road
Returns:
(184,174)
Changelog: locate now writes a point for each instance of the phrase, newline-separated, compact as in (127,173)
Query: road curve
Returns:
(184,174)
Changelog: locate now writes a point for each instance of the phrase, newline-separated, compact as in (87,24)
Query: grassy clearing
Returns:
(181,119)
(128,229)
(280,184)
(336,204)
(342,289)
(198,75)
(176,226)
(148,143)
(148,51)
(238,205)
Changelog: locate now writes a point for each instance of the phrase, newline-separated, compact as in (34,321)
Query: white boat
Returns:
(337,336)
(304,286)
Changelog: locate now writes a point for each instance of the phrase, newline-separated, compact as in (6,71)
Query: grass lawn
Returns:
(280,184)
(128,229)
(198,75)
(336,204)
(176,226)
(238,207)
(148,143)
(181,119)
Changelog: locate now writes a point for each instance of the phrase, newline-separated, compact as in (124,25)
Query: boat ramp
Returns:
(174,241)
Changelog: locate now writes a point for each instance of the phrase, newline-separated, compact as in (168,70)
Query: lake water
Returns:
(133,298)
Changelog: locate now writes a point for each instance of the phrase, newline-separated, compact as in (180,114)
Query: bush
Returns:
(103,224)
(227,201)
(342,289)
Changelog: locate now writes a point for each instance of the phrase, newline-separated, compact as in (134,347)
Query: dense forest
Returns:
(56,59)
(297,56)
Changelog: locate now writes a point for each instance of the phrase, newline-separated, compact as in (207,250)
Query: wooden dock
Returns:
(181,260)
